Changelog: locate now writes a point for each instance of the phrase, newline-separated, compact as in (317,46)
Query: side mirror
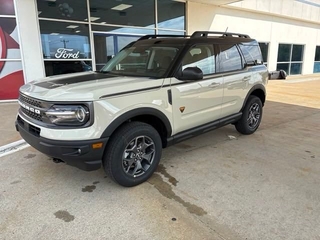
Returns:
(191,74)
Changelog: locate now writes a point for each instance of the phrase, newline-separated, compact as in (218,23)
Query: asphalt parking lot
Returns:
(220,185)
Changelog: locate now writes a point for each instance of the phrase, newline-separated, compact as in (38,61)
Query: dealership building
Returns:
(40,38)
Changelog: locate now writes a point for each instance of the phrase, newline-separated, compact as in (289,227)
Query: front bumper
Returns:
(79,154)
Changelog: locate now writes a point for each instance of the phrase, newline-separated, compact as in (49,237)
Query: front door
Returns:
(197,102)
(108,45)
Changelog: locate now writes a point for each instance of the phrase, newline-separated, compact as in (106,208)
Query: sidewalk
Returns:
(8,131)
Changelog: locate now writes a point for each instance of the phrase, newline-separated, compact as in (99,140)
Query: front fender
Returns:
(134,113)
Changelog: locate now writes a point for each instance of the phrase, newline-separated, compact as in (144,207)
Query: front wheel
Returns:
(133,154)
(251,116)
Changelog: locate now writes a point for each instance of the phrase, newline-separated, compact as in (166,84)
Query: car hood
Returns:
(86,86)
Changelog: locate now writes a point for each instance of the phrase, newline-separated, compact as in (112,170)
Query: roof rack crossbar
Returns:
(160,36)
(226,34)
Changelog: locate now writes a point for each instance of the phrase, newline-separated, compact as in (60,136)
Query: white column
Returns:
(30,42)
(273,55)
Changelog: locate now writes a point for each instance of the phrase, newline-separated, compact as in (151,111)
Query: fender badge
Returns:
(182,109)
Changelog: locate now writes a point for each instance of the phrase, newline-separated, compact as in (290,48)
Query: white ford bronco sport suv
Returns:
(157,91)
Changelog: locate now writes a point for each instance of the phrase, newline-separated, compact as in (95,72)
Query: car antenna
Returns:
(226,30)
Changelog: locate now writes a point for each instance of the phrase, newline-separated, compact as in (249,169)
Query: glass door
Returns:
(107,45)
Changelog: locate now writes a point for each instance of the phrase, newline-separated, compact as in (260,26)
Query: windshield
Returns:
(142,60)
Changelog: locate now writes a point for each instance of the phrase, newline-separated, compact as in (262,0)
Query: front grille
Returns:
(31,107)
(30,101)
(32,114)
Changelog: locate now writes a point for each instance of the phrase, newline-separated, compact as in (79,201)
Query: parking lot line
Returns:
(13,147)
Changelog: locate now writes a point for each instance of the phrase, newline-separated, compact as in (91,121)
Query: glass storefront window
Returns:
(11,70)
(171,14)
(62,40)
(61,9)
(297,53)
(317,55)
(9,42)
(113,24)
(283,66)
(108,45)
(316,66)
(290,58)
(167,32)
(132,13)
(124,30)
(264,47)
(295,68)
(63,67)
(284,52)
(7,8)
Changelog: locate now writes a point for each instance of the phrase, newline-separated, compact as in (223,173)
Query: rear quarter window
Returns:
(229,58)
(251,52)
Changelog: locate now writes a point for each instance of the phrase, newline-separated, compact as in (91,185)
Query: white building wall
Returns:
(301,9)
(263,26)
(30,42)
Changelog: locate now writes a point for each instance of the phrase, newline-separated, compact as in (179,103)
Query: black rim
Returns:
(254,115)
(138,156)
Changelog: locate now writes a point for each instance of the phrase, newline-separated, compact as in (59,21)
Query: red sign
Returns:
(11,75)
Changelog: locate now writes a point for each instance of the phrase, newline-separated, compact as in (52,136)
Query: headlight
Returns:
(68,115)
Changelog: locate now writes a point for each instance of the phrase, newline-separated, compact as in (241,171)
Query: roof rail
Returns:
(160,36)
(224,34)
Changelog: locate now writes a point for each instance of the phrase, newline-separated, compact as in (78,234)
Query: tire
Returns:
(251,116)
(133,154)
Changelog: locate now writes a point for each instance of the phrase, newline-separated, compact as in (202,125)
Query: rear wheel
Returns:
(133,154)
(251,116)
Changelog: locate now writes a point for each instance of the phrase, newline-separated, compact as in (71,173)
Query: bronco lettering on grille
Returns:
(29,108)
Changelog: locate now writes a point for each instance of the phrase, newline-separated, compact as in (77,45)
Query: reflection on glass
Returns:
(295,68)
(230,59)
(63,67)
(11,79)
(107,45)
(9,40)
(283,66)
(167,32)
(297,53)
(104,49)
(133,12)
(64,40)
(171,14)
(143,60)
(62,9)
(126,30)
(251,53)
(316,67)
(284,52)
(7,7)
(202,57)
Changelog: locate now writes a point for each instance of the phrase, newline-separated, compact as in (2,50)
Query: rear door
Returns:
(236,79)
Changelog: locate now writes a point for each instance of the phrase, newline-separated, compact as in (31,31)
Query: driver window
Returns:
(201,56)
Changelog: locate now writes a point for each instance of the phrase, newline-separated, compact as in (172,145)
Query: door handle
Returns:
(213,85)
